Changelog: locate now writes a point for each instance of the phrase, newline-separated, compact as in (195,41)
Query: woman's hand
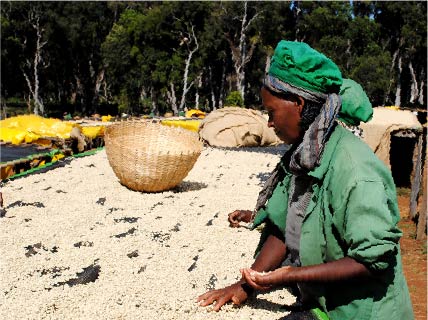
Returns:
(344,269)
(269,257)
(266,280)
(239,215)
(234,293)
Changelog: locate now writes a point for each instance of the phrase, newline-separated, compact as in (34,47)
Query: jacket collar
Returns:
(320,171)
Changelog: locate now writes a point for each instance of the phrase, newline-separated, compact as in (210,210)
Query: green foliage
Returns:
(372,71)
(234,98)
(141,48)
(123,103)
(146,105)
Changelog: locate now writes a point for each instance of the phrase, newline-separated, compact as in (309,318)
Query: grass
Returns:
(405,192)
(424,248)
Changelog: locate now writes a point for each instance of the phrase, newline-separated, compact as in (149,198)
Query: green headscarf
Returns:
(297,64)
(301,70)
(356,105)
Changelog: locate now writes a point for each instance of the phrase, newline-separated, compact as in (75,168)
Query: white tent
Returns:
(380,131)
(387,122)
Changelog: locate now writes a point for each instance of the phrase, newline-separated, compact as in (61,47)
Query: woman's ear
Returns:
(300,103)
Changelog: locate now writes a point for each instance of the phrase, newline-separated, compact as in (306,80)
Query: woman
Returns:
(330,205)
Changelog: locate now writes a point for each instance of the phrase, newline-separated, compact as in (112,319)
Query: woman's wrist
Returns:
(247,288)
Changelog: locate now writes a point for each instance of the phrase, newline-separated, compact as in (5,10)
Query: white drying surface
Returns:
(151,254)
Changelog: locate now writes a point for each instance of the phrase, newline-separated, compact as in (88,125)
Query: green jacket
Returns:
(353,212)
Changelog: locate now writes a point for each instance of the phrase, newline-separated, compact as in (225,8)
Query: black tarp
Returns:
(9,152)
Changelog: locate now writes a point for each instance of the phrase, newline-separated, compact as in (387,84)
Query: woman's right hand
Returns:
(234,293)
(237,216)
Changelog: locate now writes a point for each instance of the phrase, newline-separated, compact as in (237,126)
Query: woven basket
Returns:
(150,157)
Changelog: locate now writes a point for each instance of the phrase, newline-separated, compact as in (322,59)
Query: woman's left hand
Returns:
(266,280)
(238,216)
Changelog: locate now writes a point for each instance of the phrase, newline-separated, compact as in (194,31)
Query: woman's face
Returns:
(284,116)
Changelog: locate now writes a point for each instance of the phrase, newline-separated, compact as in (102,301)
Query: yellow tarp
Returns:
(16,135)
(30,128)
(195,113)
(106,118)
(192,125)
(93,132)
(393,108)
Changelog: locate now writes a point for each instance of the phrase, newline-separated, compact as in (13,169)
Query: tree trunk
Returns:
(421,88)
(34,87)
(398,90)
(213,101)
(28,102)
(3,108)
(199,86)
(240,55)
(223,80)
(38,103)
(98,83)
(414,92)
(172,99)
(349,54)
(297,12)
(267,64)
(416,177)
(78,94)
(155,110)
(239,64)
(187,86)
(391,80)
(422,221)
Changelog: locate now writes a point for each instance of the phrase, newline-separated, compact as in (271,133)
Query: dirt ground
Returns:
(414,255)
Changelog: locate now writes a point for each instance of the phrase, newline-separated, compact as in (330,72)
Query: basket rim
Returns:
(160,152)
(196,144)
(115,125)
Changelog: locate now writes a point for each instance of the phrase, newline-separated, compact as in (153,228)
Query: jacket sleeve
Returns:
(275,209)
(273,215)
(269,229)
(370,225)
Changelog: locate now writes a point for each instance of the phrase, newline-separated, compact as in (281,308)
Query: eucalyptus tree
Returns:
(348,34)
(85,26)
(122,59)
(368,62)
(213,61)
(149,56)
(404,30)
(25,32)
(188,26)
(191,22)
(238,22)
(276,22)
(34,17)
(137,55)
(12,54)
(323,26)
(159,46)
(58,46)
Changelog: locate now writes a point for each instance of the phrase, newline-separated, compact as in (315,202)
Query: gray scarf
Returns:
(307,155)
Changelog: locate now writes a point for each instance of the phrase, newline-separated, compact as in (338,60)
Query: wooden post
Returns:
(422,221)
(416,176)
